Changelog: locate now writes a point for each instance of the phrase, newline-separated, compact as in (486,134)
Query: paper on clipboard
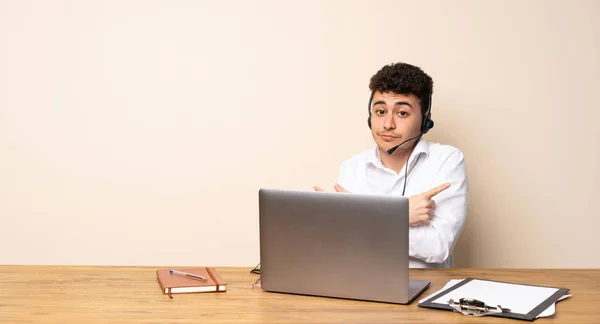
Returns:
(527,304)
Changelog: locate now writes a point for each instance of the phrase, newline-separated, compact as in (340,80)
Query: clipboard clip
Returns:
(474,307)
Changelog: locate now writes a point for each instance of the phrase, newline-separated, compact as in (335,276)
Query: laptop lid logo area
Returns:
(335,245)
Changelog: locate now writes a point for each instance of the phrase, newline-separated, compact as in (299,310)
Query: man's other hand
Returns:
(337,188)
(421,206)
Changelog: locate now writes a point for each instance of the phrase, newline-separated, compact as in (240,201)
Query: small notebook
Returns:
(177,284)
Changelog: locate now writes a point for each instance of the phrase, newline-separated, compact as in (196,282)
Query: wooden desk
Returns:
(67,294)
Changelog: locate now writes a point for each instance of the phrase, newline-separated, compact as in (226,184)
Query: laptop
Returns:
(340,245)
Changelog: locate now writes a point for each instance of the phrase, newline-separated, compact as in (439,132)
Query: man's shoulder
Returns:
(446,158)
(359,159)
(441,151)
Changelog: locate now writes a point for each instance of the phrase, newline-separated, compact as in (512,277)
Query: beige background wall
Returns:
(139,132)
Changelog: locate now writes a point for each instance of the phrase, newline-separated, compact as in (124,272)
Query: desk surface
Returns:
(70,294)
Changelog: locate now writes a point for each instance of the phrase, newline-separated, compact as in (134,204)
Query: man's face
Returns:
(394,119)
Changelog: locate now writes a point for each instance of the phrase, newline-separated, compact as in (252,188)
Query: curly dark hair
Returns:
(403,78)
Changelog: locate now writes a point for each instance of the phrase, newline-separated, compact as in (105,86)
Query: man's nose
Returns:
(388,122)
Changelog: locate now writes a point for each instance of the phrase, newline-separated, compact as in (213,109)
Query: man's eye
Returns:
(379,112)
(403,113)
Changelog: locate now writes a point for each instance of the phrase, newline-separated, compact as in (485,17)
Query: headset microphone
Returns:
(393,149)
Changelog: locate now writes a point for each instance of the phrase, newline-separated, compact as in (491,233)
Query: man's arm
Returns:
(433,242)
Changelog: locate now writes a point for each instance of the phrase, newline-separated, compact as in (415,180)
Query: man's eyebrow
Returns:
(403,103)
(398,103)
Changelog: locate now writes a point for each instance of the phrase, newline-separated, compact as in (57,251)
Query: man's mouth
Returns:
(387,138)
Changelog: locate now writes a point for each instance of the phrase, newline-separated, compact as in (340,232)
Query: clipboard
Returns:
(519,301)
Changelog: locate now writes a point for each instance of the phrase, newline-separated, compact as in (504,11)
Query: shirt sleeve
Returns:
(435,242)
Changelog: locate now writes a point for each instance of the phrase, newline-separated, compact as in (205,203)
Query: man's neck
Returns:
(397,160)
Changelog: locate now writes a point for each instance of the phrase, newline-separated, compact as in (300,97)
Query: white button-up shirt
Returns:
(430,165)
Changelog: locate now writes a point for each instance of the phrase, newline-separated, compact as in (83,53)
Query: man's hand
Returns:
(337,188)
(421,206)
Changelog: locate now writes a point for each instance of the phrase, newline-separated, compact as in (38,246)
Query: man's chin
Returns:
(385,146)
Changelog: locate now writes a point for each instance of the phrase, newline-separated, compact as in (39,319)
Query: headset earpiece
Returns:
(369,118)
(427,123)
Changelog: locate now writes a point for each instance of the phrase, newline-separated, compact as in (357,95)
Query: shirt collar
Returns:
(421,148)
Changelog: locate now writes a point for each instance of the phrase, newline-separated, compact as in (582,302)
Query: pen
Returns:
(191,275)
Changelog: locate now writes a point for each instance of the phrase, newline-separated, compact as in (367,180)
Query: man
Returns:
(431,174)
